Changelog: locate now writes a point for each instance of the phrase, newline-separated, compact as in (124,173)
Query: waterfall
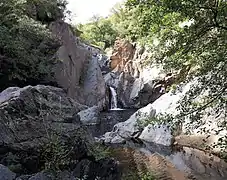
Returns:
(113,98)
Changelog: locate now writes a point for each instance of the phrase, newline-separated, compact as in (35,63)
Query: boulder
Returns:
(6,174)
(90,116)
(135,128)
(158,134)
(31,117)
(28,114)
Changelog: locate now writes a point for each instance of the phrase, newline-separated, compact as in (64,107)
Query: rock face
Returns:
(77,70)
(94,87)
(34,120)
(123,52)
(136,85)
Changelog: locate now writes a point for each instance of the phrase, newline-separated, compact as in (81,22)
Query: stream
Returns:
(165,162)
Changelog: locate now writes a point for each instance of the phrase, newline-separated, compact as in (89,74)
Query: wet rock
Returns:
(6,174)
(90,116)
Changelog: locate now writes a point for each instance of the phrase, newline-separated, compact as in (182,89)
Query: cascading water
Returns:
(113,98)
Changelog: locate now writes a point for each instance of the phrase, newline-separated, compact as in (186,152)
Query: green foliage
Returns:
(188,33)
(56,154)
(99,151)
(147,176)
(134,175)
(26,45)
(142,123)
(99,32)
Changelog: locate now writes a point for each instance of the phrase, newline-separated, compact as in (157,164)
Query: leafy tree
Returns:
(26,45)
(99,32)
(192,34)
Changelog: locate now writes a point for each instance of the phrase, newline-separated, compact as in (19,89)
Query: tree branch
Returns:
(205,106)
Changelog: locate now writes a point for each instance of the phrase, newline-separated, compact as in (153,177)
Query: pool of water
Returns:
(168,163)
(109,119)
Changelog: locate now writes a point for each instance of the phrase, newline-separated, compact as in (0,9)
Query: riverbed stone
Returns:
(6,174)
(159,134)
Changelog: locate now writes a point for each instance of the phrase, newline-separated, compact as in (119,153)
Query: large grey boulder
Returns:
(90,116)
(135,128)
(158,134)
(6,174)
(29,114)
(31,117)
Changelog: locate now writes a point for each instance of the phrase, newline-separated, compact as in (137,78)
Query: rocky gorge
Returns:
(110,101)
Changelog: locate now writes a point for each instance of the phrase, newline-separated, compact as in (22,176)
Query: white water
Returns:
(113,100)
